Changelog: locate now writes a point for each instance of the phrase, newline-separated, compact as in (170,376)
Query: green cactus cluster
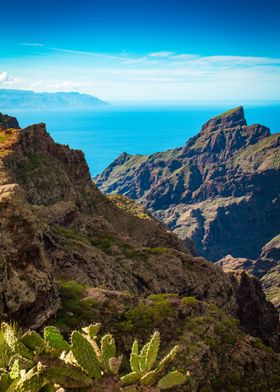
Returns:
(32,363)
(142,362)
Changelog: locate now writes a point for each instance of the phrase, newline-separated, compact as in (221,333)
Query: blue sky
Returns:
(143,50)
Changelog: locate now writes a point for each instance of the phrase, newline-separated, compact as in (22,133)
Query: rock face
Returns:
(221,189)
(27,280)
(8,122)
(56,225)
(266,268)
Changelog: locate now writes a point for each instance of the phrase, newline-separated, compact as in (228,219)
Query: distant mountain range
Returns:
(26,99)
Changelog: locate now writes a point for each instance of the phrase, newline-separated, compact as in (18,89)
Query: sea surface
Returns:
(105,133)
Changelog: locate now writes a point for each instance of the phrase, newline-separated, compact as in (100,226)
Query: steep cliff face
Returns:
(66,229)
(266,267)
(8,122)
(221,189)
(27,285)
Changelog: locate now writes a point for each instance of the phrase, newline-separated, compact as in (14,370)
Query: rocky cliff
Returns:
(266,267)
(221,189)
(57,227)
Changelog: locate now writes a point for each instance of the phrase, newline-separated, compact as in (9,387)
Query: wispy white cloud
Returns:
(161,54)
(32,44)
(87,53)
(158,75)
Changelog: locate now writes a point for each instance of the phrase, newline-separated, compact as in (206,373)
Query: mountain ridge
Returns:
(28,99)
(226,177)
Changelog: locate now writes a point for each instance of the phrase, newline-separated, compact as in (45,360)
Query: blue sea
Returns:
(105,133)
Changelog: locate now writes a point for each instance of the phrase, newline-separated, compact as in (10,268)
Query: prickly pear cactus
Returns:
(143,358)
(115,364)
(30,382)
(67,377)
(134,357)
(108,348)
(152,350)
(33,341)
(85,355)
(130,378)
(92,330)
(142,364)
(54,339)
(10,336)
(167,359)
(171,380)
(30,363)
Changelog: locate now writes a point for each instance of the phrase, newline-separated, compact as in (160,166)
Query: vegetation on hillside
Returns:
(31,363)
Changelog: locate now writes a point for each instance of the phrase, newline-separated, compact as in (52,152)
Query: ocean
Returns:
(105,133)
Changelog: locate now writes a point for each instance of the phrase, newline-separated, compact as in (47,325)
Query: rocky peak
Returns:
(223,135)
(230,119)
(8,122)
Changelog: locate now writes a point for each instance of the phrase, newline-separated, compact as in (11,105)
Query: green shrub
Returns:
(190,301)
(76,311)
(142,318)
(160,297)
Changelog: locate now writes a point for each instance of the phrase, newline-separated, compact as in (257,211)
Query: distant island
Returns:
(27,99)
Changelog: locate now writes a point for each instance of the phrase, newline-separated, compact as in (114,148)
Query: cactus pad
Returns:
(15,345)
(171,380)
(134,357)
(114,364)
(152,350)
(92,330)
(149,378)
(32,340)
(85,355)
(68,377)
(167,359)
(143,357)
(31,382)
(108,348)
(130,378)
(54,339)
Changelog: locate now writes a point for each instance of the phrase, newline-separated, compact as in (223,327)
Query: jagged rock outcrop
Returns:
(221,189)
(271,285)
(8,122)
(78,233)
(27,285)
(266,268)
